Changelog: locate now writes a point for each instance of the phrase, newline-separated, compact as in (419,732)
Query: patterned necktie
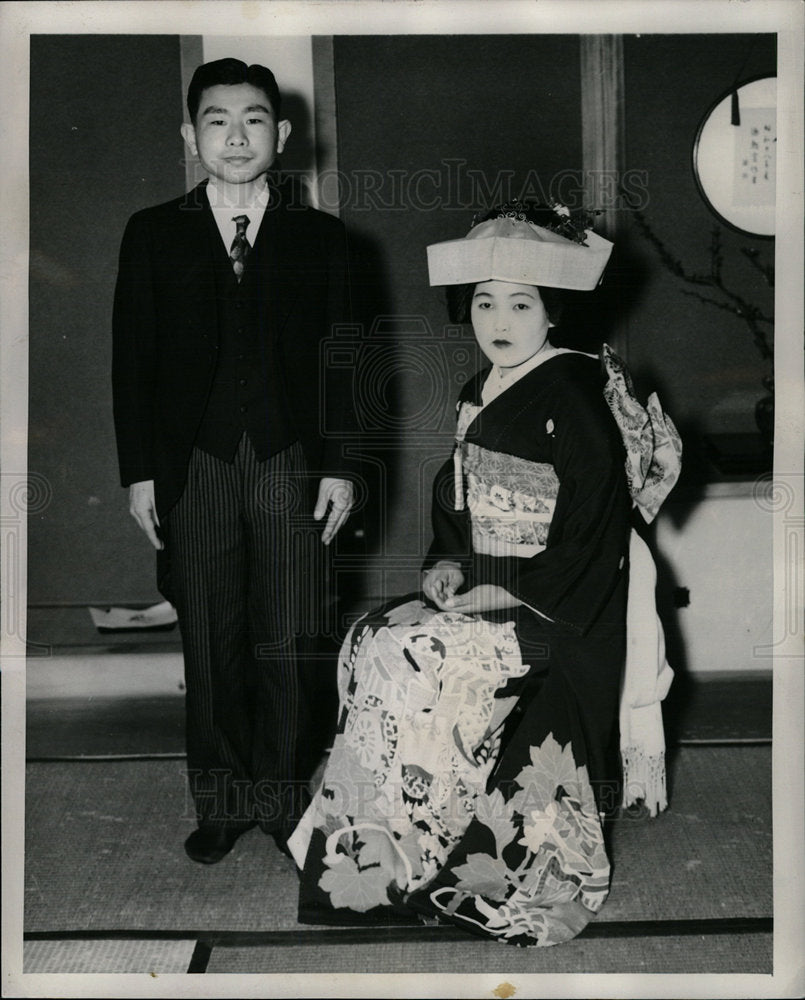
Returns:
(241,247)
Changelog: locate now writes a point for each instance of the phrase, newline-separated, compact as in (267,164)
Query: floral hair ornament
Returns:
(559,251)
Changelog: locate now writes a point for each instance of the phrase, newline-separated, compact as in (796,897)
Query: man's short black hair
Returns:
(231,72)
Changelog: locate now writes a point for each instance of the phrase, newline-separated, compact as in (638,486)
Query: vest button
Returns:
(242,381)
(243,409)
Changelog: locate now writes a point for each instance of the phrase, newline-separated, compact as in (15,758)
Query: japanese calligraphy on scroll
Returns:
(754,157)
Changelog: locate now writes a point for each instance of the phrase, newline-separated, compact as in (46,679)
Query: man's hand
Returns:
(143,509)
(485,597)
(441,582)
(338,495)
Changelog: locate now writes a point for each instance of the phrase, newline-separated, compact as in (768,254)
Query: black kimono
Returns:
(476,753)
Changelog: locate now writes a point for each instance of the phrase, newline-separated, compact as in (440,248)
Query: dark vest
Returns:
(247,394)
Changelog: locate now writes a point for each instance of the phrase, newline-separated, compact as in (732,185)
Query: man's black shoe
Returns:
(208,844)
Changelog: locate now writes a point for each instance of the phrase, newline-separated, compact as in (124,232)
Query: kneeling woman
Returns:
(477,740)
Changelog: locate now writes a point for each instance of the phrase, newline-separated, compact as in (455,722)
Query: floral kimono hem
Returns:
(410,819)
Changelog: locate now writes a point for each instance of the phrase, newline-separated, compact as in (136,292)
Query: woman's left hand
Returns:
(485,597)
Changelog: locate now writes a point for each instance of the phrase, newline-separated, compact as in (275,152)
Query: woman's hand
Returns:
(441,581)
(485,597)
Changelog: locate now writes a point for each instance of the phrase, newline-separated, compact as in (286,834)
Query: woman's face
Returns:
(509,320)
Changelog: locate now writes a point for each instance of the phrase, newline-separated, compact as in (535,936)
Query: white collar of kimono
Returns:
(500,379)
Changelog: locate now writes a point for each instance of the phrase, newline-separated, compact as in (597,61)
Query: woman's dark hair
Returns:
(231,72)
(459,297)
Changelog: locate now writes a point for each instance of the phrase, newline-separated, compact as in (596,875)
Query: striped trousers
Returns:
(240,542)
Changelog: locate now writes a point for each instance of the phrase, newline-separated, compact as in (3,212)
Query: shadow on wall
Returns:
(671,598)
(377,397)
(592,318)
(377,402)
(301,154)
(406,375)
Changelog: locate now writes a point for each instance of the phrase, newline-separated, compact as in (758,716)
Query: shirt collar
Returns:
(218,202)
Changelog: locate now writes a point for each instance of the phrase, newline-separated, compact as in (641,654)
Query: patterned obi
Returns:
(510,499)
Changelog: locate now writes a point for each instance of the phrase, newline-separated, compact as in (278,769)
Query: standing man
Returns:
(226,441)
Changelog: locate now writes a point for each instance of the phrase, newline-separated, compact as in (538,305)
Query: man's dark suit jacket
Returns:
(165,332)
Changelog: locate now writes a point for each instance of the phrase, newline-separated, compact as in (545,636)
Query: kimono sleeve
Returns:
(587,546)
(452,537)
(451,534)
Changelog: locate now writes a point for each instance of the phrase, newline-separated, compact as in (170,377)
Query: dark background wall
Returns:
(429,128)
(700,358)
(495,117)
(104,142)
(444,125)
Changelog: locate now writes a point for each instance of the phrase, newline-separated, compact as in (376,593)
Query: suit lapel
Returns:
(198,249)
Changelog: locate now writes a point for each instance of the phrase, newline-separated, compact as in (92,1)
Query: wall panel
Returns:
(104,141)
(430,128)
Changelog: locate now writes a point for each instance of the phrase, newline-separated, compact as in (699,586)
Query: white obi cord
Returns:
(467,412)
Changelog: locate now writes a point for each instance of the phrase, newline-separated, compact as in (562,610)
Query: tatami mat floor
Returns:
(705,953)
(708,857)
(108,888)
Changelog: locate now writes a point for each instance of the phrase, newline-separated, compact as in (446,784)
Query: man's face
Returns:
(236,135)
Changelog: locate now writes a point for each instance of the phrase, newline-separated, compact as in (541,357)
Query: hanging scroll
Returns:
(734,157)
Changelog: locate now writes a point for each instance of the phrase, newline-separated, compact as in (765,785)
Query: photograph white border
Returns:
(276,17)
